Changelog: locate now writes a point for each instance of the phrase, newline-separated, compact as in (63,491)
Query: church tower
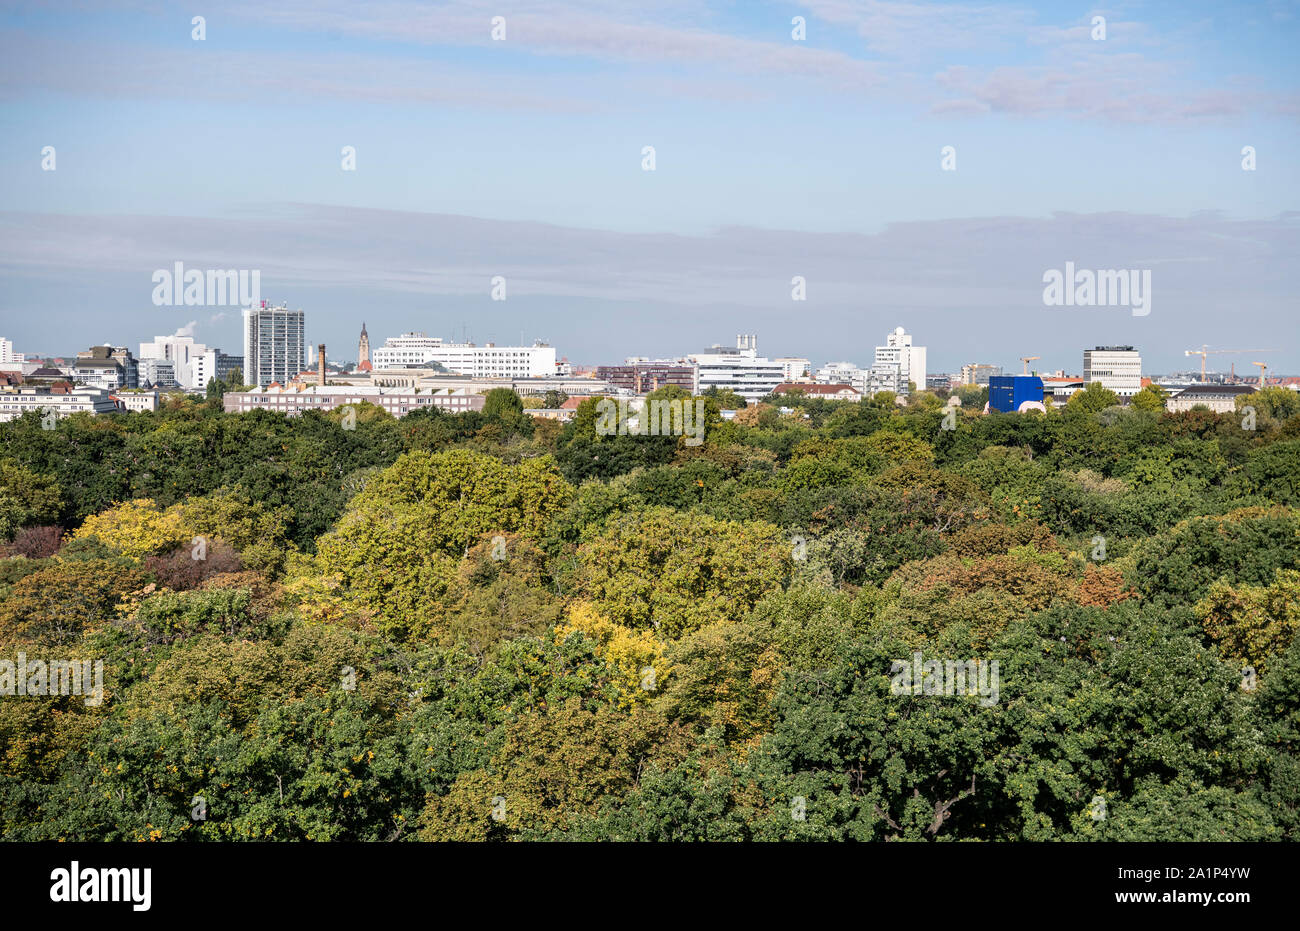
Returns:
(363,349)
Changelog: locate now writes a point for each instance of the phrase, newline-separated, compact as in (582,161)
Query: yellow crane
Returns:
(1205,350)
(1263,368)
(1025,360)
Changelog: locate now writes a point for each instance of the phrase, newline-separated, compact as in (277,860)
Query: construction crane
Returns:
(1205,350)
(1263,368)
(1025,360)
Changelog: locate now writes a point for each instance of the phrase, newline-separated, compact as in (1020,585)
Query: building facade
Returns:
(182,351)
(898,354)
(644,376)
(275,344)
(107,368)
(817,390)
(978,373)
(158,373)
(741,370)
(1118,368)
(1222,399)
(14,402)
(10,361)
(396,401)
(416,350)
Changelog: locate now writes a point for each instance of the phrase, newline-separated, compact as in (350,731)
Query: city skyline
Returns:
(522,158)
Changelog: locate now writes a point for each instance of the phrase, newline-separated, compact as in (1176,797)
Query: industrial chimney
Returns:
(320,364)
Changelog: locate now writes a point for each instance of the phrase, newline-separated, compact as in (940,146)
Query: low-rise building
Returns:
(14,402)
(397,401)
(640,376)
(828,392)
(139,399)
(1222,399)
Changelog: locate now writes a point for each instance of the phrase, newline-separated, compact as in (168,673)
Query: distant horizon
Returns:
(648,181)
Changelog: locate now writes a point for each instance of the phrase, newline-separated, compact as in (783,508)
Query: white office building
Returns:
(158,373)
(796,369)
(842,373)
(10,361)
(181,351)
(1118,368)
(275,344)
(418,350)
(741,370)
(899,362)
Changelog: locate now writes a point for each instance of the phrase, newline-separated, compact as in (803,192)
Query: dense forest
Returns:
(490,626)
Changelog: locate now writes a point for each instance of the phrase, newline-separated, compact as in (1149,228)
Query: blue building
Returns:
(1010,392)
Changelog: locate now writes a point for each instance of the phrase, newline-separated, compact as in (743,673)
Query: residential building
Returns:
(275,344)
(978,373)
(1118,368)
(14,402)
(295,399)
(10,361)
(741,370)
(841,373)
(898,354)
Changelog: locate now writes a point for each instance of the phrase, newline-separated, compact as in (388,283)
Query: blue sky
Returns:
(774,158)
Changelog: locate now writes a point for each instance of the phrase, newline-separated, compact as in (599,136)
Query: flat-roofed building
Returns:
(1118,368)
(417,350)
(14,402)
(275,344)
(396,401)
(641,376)
(741,370)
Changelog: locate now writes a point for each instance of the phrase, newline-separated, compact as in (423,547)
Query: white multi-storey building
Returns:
(795,369)
(899,356)
(1118,368)
(741,370)
(275,344)
(10,361)
(182,351)
(159,373)
(416,350)
(842,373)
